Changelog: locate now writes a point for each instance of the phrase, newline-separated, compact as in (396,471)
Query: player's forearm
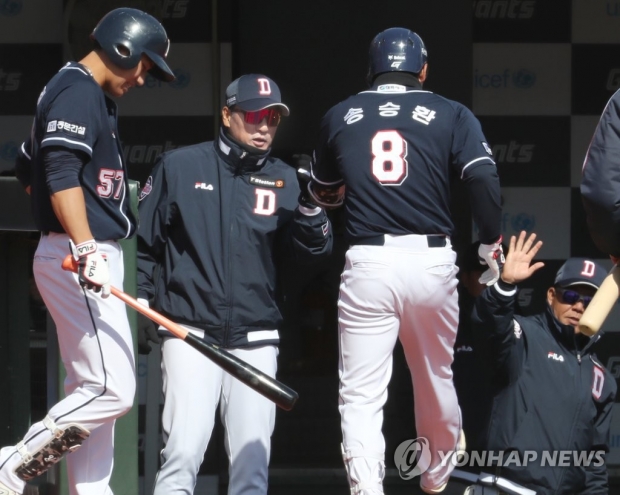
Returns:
(482,183)
(70,209)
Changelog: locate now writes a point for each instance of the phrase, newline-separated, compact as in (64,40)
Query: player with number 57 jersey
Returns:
(388,155)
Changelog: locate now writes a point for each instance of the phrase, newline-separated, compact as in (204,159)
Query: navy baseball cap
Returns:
(580,271)
(253,92)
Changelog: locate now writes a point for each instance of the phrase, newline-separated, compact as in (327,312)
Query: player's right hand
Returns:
(93,272)
(304,177)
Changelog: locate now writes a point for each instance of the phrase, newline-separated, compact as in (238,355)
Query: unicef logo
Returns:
(10,7)
(182,79)
(523,221)
(412,458)
(8,151)
(523,79)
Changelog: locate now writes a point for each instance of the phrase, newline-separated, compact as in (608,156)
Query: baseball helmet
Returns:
(396,49)
(125,34)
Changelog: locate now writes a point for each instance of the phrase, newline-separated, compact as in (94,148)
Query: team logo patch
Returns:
(146,190)
(67,127)
(487,148)
(257,181)
(325,228)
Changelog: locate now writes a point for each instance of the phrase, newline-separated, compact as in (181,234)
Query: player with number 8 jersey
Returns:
(392,149)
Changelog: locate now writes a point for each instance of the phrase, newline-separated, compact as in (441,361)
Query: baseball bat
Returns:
(277,392)
(602,303)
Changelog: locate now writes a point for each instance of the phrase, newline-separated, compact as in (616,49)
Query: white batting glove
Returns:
(93,271)
(493,256)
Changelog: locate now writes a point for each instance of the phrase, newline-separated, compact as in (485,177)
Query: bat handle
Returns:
(69,264)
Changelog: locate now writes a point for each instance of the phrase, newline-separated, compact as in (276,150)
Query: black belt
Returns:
(433,241)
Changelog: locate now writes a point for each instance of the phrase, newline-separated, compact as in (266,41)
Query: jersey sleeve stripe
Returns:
(474,161)
(77,143)
(323,183)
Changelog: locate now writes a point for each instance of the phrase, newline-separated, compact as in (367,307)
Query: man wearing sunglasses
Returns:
(551,395)
(216,220)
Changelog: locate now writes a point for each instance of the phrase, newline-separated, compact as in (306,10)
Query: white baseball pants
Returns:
(403,290)
(96,348)
(193,387)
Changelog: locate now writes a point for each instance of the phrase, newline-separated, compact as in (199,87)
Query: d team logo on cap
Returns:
(580,271)
(253,92)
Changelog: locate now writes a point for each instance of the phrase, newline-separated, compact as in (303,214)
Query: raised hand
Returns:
(521,252)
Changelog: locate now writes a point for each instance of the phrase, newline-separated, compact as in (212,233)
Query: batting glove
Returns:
(493,256)
(93,272)
(304,177)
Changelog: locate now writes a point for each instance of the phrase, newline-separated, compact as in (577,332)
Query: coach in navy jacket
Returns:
(552,395)
(216,219)
(206,218)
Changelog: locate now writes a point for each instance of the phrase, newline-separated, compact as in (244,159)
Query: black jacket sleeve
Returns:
(497,332)
(155,213)
(600,180)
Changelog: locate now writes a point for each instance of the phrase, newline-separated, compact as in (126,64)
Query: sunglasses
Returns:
(571,297)
(271,114)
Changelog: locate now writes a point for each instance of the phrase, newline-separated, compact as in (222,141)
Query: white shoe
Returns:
(460,450)
(4,490)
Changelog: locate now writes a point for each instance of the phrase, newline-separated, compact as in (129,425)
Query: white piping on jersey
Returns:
(24,152)
(263,335)
(324,183)
(125,183)
(474,161)
(68,141)
(66,67)
(395,91)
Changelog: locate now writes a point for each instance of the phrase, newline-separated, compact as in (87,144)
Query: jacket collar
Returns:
(237,157)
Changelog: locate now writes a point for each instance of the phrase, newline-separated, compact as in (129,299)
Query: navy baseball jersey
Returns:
(395,148)
(63,123)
